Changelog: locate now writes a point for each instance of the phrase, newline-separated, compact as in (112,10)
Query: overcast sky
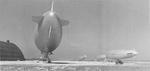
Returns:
(95,26)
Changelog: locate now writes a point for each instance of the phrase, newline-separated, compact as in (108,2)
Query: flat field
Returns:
(72,66)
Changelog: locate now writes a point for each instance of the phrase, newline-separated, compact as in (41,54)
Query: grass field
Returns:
(72,66)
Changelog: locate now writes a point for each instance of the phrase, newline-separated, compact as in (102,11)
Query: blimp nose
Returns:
(135,52)
(51,13)
(132,53)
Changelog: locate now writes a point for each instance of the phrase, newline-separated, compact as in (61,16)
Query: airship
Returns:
(117,55)
(49,32)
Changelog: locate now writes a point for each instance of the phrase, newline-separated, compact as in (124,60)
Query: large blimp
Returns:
(49,32)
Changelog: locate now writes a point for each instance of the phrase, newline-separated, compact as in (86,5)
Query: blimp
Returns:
(117,55)
(49,32)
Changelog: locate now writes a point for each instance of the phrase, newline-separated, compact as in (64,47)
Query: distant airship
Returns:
(49,32)
(117,55)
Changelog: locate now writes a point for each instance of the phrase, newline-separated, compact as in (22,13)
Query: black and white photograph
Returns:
(74,35)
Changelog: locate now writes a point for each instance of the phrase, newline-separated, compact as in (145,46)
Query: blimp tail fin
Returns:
(37,19)
(64,22)
(52,6)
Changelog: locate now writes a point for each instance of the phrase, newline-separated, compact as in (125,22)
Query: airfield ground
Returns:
(72,66)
